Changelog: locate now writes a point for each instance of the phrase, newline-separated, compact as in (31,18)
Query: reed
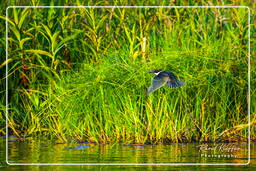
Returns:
(82,74)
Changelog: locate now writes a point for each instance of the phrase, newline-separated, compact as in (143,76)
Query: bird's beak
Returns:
(151,71)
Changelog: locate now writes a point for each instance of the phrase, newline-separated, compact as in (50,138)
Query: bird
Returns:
(162,78)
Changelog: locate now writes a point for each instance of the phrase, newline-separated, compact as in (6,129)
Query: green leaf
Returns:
(40,31)
(90,29)
(12,40)
(8,20)
(5,62)
(90,47)
(127,32)
(99,25)
(22,18)
(23,41)
(48,31)
(58,48)
(63,41)
(53,40)
(41,52)
(16,19)
(15,31)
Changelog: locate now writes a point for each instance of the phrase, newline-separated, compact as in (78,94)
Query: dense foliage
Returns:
(82,73)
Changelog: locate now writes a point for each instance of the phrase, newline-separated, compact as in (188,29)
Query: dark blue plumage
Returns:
(162,78)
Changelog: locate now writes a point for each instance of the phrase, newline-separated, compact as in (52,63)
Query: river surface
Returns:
(34,154)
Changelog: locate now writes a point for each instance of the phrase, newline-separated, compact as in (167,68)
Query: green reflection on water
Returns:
(38,151)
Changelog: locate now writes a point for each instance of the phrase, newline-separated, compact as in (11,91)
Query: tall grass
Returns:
(82,74)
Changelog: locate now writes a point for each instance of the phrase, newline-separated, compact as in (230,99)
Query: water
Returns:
(45,151)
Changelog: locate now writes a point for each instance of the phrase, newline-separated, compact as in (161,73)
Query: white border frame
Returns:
(174,164)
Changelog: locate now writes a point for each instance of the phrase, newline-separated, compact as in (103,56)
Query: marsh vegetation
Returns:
(81,73)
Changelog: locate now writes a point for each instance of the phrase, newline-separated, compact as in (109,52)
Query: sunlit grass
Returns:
(82,74)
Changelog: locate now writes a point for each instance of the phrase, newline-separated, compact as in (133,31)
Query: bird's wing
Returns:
(174,83)
(156,84)
(171,75)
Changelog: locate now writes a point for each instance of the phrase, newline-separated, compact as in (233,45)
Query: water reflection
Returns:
(43,151)
(36,151)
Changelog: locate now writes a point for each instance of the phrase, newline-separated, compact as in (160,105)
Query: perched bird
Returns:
(162,78)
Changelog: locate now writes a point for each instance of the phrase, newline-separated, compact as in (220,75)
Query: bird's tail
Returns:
(174,84)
